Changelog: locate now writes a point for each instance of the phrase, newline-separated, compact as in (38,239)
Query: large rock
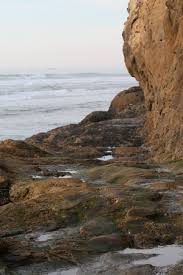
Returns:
(96,131)
(127,100)
(17,148)
(153,50)
(49,202)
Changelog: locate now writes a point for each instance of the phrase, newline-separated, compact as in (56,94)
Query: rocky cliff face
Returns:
(153,49)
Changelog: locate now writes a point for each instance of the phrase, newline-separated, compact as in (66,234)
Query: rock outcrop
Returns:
(94,194)
(18,148)
(153,50)
(120,126)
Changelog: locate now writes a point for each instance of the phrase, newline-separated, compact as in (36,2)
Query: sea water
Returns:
(33,103)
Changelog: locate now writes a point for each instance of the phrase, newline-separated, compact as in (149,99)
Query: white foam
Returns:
(65,272)
(45,237)
(71,171)
(66,177)
(163,170)
(106,158)
(37,177)
(40,102)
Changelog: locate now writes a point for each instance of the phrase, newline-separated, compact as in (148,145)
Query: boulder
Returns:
(127,100)
(19,148)
(96,117)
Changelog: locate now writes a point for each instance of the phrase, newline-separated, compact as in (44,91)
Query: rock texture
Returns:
(17,148)
(129,100)
(153,50)
(79,193)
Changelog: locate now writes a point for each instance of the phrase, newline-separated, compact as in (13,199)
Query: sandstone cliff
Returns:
(153,49)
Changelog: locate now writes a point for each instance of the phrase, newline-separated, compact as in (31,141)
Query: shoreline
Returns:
(62,205)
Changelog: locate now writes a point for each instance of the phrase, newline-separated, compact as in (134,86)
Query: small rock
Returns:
(140,212)
(142,240)
(139,270)
(4,182)
(98,226)
(110,242)
(54,173)
(96,117)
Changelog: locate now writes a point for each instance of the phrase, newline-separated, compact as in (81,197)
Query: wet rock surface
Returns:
(98,131)
(75,209)
(67,222)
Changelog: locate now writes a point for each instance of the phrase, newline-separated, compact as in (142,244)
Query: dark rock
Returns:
(96,117)
(106,243)
(54,173)
(176,270)
(142,240)
(98,226)
(139,270)
(120,126)
(136,212)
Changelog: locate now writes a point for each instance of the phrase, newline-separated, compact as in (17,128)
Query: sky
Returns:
(69,35)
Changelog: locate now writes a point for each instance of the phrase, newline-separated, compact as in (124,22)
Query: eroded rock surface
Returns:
(153,53)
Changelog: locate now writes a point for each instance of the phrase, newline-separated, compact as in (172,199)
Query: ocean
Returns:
(33,103)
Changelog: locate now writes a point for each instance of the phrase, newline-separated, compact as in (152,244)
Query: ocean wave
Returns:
(32,103)
(58,75)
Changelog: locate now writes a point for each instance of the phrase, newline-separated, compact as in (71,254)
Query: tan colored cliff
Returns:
(153,49)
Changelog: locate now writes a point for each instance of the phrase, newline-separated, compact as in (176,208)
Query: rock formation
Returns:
(120,126)
(153,50)
(129,101)
(18,148)
(74,195)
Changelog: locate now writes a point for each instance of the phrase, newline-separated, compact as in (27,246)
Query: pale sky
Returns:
(69,35)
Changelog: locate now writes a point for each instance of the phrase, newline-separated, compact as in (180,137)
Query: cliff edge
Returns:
(153,50)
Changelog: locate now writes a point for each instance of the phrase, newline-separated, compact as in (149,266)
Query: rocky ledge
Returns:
(120,126)
(77,199)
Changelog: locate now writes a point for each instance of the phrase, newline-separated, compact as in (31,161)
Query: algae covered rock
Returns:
(97,226)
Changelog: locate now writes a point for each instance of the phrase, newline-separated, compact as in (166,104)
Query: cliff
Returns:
(153,50)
